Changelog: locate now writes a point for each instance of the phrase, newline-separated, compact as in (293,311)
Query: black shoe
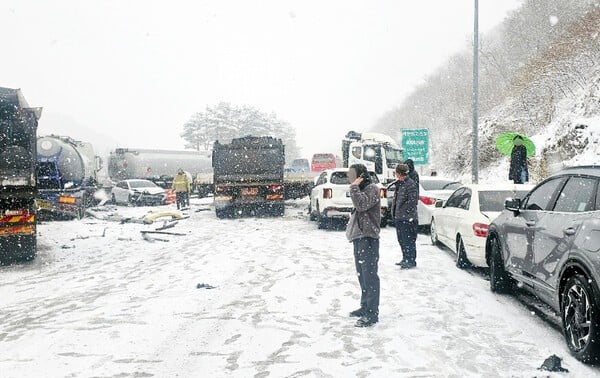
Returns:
(408,265)
(366,321)
(358,313)
(401,262)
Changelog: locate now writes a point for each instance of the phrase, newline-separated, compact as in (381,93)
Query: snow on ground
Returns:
(118,305)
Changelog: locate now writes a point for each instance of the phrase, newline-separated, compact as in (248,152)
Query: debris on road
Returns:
(205,286)
(552,363)
(162,232)
(152,239)
(167,224)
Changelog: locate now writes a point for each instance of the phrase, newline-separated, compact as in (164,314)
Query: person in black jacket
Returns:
(411,171)
(518,162)
(404,213)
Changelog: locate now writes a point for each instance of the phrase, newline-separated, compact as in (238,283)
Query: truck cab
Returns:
(378,152)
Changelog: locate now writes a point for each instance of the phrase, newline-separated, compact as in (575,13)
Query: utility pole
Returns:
(475,132)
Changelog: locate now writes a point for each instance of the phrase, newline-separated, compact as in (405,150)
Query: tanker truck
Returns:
(160,166)
(66,176)
(18,129)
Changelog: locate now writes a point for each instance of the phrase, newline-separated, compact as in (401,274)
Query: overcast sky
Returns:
(137,70)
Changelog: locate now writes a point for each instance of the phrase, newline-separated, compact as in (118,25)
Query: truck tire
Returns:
(226,212)
(17,249)
(278,210)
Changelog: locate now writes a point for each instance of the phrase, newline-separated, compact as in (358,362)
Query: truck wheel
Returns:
(29,245)
(17,248)
(278,210)
(225,212)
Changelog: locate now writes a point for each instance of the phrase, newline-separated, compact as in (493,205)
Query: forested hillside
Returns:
(539,75)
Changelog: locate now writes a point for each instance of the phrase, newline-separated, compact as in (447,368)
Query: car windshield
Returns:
(136,184)
(339,178)
(493,200)
(440,184)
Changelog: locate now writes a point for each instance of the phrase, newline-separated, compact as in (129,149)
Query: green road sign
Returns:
(415,145)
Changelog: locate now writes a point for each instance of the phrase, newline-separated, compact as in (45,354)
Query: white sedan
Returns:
(138,192)
(462,222)
(330,198)
(431,189)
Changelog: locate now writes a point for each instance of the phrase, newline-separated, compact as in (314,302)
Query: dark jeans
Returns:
(406,230)
(182,199)
(366,257)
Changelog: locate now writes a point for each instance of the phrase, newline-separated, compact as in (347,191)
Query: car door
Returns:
(443,219)
(519,230)
(555,232)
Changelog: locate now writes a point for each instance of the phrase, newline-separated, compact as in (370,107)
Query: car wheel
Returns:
(321,220)
(579,313)
(433,234)
(500,281)
(462,261)
(311,215)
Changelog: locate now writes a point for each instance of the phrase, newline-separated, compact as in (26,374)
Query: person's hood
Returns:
(410,163)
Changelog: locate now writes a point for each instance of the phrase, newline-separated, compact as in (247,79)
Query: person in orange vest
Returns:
(181,185)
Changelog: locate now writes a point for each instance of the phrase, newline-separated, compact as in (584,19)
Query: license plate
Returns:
(249,191)
(43,204)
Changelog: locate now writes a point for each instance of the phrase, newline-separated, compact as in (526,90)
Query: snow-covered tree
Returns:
(224,121)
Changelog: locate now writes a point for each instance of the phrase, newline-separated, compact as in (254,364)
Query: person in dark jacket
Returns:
(404,213)
(363,231)
(518,171)
(411,171)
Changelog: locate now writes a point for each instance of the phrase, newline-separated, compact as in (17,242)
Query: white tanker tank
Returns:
(160,166)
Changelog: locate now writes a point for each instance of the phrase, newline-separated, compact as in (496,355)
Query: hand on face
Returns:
(358,181)
(352,177)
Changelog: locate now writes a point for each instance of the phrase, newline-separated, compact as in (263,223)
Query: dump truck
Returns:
(248,176)
(18,131)
(66,176)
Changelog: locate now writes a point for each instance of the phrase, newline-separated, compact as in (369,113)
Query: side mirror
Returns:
(439,203)
(512,204)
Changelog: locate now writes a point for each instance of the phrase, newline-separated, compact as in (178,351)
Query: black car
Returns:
(549,243)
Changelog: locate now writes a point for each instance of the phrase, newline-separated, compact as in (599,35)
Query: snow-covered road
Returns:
(120,306)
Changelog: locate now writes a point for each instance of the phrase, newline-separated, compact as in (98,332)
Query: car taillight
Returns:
(427,200)
(481,229)
(275,188)
(382,193)
(327,193)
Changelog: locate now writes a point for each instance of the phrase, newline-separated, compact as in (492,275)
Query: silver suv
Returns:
(549,243)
